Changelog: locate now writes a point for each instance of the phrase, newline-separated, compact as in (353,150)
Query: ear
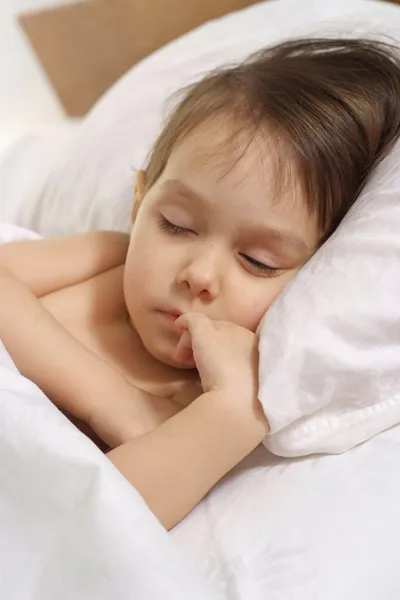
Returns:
(138,194)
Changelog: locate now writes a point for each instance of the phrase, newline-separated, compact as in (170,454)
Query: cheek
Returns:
(147,268)
(143,258)
(251,304)
(248,311)
(136,275)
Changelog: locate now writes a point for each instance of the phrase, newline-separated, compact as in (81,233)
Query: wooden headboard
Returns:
(85,47)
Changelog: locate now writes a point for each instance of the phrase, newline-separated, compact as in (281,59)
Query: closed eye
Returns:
(261,267)
(173,229)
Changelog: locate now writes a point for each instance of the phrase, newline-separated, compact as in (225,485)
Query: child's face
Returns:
(211,237)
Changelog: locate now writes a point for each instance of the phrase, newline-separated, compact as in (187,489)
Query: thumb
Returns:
(183,352)
(197,331)
(198,325)
(199,336)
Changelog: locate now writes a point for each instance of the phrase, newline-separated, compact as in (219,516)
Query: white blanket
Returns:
(71,528)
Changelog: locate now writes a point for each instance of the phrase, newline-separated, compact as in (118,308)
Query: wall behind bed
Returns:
(87,46)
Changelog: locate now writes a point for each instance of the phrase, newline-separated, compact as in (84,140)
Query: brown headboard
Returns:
(85,47)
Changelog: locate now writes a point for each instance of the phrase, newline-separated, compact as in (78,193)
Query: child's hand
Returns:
(225,354)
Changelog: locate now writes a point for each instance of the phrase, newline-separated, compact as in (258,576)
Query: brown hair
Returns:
(334,103)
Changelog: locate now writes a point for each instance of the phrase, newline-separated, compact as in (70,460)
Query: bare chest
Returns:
(94,313)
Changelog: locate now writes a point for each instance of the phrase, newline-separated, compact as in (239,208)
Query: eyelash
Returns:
(173,229)
(169,227)
(260,267)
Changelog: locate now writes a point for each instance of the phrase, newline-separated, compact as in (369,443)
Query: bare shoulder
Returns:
(48,265)
(116,240)
(110,247)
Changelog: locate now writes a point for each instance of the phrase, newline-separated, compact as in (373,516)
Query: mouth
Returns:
(170,315)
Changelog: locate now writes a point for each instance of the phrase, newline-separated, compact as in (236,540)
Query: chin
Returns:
(163,352)
(162,348)
(165,356)
(170,362)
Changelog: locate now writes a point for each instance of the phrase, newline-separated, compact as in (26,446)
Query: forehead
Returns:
(225,155)
(236,170)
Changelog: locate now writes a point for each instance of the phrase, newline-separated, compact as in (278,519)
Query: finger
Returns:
(183,352)
(196,323)
(199,332)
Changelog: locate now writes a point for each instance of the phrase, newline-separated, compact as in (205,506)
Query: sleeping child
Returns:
(148,340)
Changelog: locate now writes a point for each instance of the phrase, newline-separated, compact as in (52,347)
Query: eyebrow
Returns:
(285,238)
(183,190)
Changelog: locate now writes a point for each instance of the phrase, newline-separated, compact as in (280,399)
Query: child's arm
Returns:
(76,379)
(175,465)
(45,266)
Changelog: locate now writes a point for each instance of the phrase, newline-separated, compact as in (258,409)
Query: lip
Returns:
(170,315)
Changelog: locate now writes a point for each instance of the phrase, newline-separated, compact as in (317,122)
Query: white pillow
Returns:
(26,166)
(85,181)
(330,347)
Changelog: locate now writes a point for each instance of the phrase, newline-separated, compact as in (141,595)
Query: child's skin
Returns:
(121,361)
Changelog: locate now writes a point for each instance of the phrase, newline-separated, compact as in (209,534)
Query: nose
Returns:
(201,275)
